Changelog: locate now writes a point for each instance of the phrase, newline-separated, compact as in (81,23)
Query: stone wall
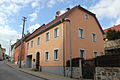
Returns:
(75,72)
(107,73)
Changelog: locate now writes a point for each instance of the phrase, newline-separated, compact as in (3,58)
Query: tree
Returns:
(111,34)
(118,34)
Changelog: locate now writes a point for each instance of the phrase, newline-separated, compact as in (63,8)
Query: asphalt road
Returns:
(8,73)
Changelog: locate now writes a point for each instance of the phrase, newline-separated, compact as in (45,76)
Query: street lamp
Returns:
(67,19)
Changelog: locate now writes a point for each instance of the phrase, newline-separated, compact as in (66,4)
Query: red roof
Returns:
(115,27)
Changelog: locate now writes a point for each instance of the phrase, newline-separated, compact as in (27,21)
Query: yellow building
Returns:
(76,32)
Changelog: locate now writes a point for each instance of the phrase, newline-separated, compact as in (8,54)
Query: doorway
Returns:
(29,61)
(37,60)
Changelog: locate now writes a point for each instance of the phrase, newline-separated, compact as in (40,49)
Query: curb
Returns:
(27,72)
(34,75)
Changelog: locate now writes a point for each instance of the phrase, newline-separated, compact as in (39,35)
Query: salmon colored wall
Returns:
(90,26)
(62,42)
(49,46)
(17,53)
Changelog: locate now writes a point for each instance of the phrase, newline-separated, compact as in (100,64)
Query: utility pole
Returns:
(20,57)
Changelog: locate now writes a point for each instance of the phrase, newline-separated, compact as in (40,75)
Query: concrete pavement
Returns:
(42,75)
(8,73)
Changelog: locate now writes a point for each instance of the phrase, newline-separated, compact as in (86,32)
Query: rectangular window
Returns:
(82,53)
(95,54)
(56,32)
(46,56)
(81,33)
(86,16)
(31,44)
(47,36)
(56,54)
(93,37)
(38,41)
(27,45)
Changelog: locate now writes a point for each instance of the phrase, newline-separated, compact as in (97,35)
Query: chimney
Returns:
(67,9)
(57,14)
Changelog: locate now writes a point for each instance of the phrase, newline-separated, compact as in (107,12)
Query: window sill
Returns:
(56,59)
(81,38)
(46,60)
(47,40)
(56,37)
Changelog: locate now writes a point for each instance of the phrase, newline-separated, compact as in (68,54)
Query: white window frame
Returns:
(31,45)
(79,33)
(47,39)
(57,54)
(86,16)
(94,37)
(84,55)
(94,53)
(56,35)
(38,41)
(27,45)
(46,57)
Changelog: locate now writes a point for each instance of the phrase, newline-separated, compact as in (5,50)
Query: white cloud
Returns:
(117,21)
(51,3)
(7,10)
(35,4)
(107,8)
(7,34)
(3,18)
(33,27)
(33,16)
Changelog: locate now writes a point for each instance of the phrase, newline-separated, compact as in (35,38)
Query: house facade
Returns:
(17,51)
(74,34)
(2,52)
(12,52)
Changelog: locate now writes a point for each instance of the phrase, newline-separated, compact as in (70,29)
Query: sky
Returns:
(40,12)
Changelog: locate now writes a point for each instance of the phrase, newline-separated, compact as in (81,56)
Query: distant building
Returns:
(115,27)
(12,52)
(16,51)
(112,46)
(2,53)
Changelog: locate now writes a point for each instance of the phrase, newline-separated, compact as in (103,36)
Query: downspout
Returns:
(63,51)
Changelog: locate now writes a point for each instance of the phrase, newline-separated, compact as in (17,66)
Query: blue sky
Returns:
(40,12)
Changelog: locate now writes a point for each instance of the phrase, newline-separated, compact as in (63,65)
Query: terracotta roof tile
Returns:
(116,27)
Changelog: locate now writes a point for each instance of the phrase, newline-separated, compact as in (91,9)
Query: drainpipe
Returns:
(68,20)
(63,52)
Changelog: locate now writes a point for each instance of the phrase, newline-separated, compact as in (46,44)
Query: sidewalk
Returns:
(43,75)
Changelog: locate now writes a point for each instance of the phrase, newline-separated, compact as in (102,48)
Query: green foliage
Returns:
(113,35)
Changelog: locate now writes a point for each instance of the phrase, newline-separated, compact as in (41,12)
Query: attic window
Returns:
(86,16)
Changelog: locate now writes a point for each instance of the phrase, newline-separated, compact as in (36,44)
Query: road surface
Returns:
(8,73)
